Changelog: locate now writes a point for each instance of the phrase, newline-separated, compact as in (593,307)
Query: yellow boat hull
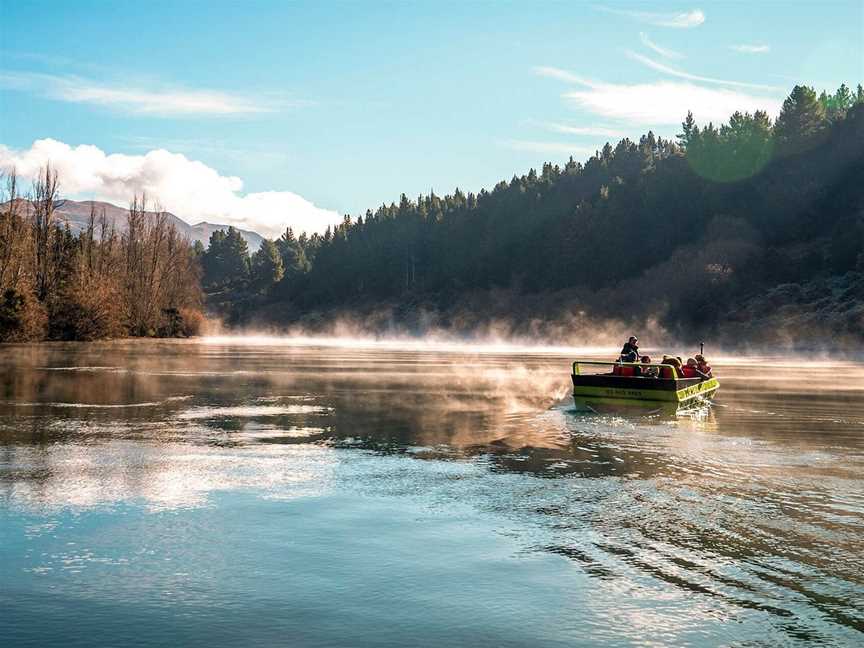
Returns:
(644,390)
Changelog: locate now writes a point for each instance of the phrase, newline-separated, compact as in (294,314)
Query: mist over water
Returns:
(307,491)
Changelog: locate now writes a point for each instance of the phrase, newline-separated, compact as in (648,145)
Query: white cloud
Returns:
(662,51)
(676,19)
(667,102)
(562,75)
(145,101)
(534,146)
(665,69)
(187,188)
(661,102)
(593,131)
(751,49)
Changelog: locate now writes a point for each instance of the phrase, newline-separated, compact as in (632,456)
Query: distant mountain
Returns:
(77,214)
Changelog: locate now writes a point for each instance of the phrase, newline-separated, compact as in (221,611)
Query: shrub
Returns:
(22,317)
(87,311)
(180,322)
(193,321)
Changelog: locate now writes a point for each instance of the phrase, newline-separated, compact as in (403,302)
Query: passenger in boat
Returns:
(647,372)
(691,370)
(703,366)
(630,350)
(674,370)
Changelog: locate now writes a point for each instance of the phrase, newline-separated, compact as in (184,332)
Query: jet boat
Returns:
(628,384)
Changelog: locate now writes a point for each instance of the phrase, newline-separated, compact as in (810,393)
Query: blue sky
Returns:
(262,113)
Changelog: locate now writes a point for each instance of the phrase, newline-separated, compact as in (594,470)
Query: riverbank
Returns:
(821,315)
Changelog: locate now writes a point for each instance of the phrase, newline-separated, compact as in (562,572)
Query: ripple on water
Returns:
(250,411)
(52,404)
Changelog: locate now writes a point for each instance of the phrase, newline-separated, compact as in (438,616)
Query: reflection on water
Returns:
(219,493)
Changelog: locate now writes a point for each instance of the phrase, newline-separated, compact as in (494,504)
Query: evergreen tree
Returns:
(266,267)
(689,130)
(801,119)
(292,254)
(226,262)
(843,101)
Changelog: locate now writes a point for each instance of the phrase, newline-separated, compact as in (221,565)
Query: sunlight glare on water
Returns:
(232,491)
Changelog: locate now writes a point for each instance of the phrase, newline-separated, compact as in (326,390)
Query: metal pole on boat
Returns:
(701,348)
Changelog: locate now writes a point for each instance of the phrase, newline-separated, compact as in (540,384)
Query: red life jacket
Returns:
(627,371)
(689,372)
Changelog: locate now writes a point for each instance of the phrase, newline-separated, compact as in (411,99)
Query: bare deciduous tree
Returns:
(144,281)
(45,189)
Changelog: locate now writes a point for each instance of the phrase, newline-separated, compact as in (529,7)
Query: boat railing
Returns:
(615,363)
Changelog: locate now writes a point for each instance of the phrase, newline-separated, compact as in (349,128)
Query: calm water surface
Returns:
(221,493)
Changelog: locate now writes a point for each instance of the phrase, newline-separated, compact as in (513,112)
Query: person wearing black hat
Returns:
(630,350)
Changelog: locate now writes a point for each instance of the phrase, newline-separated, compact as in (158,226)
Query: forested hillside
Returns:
(749,228)
(750,231)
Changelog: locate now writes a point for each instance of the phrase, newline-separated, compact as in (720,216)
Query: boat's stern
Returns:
(703,390)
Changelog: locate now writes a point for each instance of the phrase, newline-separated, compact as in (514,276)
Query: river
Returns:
(265,491)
